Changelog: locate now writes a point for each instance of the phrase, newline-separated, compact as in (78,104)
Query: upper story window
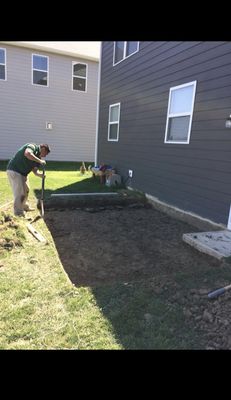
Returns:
(113,122)
(123,50)
(39,70)
(2,64)
(79,78)
(180,111)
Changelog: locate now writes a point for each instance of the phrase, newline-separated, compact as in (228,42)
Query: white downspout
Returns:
(97,111)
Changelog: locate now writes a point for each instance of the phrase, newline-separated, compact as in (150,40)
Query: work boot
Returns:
(28,208)
(19,214)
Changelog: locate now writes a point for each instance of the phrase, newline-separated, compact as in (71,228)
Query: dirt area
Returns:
(10,229)
(137,243)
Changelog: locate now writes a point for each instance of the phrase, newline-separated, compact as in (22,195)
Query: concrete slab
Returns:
(85,194)
(215,243)
(94,199)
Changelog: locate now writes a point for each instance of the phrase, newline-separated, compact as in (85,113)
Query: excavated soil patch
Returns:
(101,246)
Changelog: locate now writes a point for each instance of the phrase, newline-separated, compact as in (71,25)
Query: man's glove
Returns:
(43,162)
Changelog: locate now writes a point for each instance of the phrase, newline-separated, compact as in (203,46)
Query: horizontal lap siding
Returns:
(25,108)
(194,177)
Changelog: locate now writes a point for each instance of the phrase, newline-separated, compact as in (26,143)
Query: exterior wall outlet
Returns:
(49,125)
(130,173)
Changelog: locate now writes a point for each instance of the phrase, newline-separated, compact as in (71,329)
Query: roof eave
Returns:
(51,50)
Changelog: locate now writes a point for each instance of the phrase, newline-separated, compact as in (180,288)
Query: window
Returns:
(123,50)
(3,64)
(79,77)
(179,116)
(113,122)
(39,70)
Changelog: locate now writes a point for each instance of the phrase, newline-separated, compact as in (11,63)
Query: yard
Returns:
(113,277)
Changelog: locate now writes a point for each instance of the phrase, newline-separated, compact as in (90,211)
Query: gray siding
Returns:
(25,108)
(195,177)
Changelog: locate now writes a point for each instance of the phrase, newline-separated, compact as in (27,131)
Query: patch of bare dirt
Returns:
(8,232)
(106,245)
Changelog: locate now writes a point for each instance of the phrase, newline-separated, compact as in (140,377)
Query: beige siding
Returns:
(25,108)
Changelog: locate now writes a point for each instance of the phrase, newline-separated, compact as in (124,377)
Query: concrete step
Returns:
(214,243)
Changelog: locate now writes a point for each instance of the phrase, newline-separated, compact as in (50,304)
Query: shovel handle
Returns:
(43,182)
(42,193)
(42,208)
(218,292)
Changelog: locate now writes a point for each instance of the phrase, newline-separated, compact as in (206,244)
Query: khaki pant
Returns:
(20,188)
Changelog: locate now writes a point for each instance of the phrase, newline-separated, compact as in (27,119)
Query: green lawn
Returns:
(5,190)
(39,306)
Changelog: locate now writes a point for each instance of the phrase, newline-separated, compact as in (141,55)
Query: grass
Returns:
(39,306)
(5,191)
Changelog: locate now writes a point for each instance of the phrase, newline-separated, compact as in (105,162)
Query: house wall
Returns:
(194,177)
(25,108)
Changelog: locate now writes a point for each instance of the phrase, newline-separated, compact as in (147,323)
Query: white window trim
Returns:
(78,76)
(113,123)
(1,48)
(190,114)
(124,55)
(42,70)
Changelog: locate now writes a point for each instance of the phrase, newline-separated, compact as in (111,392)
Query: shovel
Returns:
(42,193)
(41,198)
(31,229)
(218,292)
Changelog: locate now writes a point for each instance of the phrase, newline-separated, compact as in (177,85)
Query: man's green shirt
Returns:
(19,163)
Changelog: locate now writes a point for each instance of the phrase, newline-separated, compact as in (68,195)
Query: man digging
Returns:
(27,159)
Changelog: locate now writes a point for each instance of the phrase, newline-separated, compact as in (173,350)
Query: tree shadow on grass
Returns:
(144,320)
(88,185)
